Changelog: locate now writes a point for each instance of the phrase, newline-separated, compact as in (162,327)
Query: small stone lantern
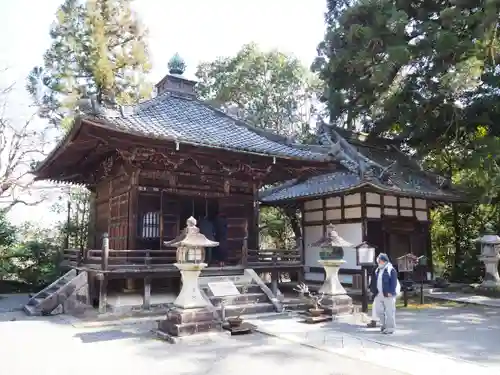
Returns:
(490,246)
(190,313)
(331,258)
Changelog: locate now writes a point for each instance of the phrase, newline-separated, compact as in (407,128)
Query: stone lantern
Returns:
(332,246)
(490,255)
(190,314)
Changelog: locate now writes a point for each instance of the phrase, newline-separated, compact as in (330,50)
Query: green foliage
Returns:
(98,48)
(7,232)
(74,230)
(425,73)
(273,91)
(275,229)
(269,89)
(31,259)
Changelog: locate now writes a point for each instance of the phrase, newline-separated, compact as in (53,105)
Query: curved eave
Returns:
(58,150)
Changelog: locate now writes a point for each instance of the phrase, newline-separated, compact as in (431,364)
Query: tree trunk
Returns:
(291,213)
(457,235)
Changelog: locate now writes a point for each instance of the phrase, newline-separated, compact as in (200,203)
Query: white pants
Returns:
(386,311)
(374,310)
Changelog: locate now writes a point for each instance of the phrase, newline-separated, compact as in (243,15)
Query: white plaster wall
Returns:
(311,254)
(351,232)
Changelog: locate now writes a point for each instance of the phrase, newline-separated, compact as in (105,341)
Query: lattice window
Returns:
(150,225)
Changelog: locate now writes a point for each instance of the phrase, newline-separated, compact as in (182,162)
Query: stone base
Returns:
(185,322)
(337,305)
(489,285)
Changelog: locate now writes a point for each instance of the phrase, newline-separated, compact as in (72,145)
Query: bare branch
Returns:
(22,143)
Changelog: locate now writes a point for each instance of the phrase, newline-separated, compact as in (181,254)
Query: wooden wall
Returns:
(161,212)
(240,215)
(112,211)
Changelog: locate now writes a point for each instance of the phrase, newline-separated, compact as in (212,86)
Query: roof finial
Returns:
(176,65)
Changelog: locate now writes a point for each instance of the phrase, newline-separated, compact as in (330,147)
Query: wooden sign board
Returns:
(223,289)
(406,263)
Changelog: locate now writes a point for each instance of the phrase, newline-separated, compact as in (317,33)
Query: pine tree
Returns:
(98,48)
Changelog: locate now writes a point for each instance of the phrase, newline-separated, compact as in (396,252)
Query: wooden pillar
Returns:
(129,286)
(298,245)
(103,292)
(244,250)
(146,297)
(103,277)
(133,204)
(92,241)
(274,275)
(91,288)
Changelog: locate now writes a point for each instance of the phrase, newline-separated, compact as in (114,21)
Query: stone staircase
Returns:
(254,298)
(59,294)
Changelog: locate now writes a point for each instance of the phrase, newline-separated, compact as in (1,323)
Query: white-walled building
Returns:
(374,193)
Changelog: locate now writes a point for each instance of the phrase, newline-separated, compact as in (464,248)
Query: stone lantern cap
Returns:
(331,239)
(489,236)
(191,237)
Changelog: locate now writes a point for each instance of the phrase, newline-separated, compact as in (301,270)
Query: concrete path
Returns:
(12,302)
(435,341)
(464,298)
(53,346)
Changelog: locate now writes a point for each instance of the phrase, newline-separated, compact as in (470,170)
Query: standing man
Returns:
(385,287)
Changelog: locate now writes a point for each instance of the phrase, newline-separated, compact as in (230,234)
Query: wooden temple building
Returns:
(151,166)
(376,194)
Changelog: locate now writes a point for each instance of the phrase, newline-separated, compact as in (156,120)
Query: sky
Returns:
(199,30)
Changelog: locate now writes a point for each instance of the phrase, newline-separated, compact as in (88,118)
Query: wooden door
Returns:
(118,221)
(399,245)
(238,213)
(170,224)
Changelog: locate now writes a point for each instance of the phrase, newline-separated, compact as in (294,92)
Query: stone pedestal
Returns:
(335,297)
(190,314)
(190,296)
(491,277)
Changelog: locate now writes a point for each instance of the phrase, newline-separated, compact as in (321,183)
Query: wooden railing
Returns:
(110,259)
(273,257)
(107,259)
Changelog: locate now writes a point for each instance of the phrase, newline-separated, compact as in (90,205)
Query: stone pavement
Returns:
(12,302)
(464,298)
(53,346)
(427,341)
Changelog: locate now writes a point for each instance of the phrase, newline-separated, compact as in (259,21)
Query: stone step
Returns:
(241,299)
(35,301)
(185,329)
(29,310)
(242,288)
(248,309)
(48,299)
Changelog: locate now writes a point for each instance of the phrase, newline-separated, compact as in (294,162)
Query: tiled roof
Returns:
(314,186)
(405,179)
(340,182)
(183,118)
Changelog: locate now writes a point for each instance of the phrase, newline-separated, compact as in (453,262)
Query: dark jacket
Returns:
(207,228)
(389,281)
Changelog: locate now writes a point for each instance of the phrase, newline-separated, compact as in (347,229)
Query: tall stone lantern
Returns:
(332,246)
(190,313)
(490,255)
